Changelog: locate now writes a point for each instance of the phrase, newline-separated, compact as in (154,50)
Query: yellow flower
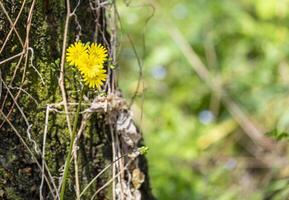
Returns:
(89,60)
(98,52)
(75,52)
(97,80)
(89,65)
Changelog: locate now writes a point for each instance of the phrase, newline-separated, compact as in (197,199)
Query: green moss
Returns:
(12,193)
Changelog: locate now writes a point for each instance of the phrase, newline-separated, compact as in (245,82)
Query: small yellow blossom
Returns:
(95,81)
(97,52)
(89,65)
(75,52)
(89,60)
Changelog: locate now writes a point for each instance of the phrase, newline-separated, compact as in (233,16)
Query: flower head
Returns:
(95,81)
(89,65)
(75,52)
(89,60)
(97,52)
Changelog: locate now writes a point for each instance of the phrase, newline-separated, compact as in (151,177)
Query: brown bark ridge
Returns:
(34,134)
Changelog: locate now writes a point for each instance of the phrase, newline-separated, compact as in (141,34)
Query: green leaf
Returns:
(143,150)
(278,135)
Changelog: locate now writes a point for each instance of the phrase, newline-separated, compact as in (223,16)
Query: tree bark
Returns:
(34,134)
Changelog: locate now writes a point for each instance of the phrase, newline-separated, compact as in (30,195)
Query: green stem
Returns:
(67,161)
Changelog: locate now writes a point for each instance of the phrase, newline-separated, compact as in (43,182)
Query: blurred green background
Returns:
(205,134)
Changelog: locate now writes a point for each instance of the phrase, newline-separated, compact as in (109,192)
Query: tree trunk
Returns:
(39,98)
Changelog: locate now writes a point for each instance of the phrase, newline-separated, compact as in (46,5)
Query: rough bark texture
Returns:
(27,94)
